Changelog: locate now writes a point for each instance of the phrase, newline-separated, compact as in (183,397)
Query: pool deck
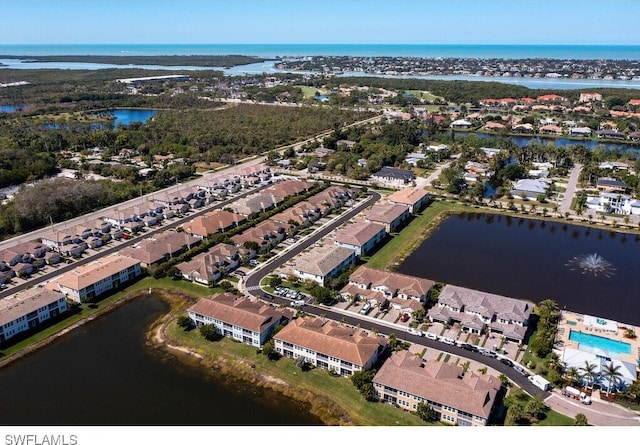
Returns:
(572,321)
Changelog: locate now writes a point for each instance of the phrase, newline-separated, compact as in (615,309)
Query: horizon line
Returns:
(325,43)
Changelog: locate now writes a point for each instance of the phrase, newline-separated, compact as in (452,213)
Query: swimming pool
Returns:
(589,342)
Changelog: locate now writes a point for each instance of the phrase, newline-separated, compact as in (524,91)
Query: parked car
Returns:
(447,341)
(506,361)
(488,353)
(298,303)
(520,370)
(404,317)
(413,331)
(431,335)
(468,347)
(241,273)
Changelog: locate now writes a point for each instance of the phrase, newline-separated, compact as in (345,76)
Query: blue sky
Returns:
(315,21)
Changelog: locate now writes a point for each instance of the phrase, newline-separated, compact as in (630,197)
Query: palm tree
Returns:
(613,375)
(589,373)
(572,374)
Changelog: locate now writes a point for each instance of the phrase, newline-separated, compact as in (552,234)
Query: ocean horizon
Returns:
(271,51)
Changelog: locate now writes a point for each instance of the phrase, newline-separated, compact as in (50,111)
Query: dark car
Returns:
(507,362)
(469,347)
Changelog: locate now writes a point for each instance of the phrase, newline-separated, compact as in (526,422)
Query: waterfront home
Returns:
(611,134)
(414,198)
(27,309)
(551,129)
(461,124)
(580,131)
(616,203)
(610,185)
(478,168)
(613,165)
(478,312)
(455,396)
(392,216)
(395,177)
(324,262)
(362,236)
(216,221)
(91,280)
(530,188)
(494,126)
(238,317)
(330,345)
(523,128)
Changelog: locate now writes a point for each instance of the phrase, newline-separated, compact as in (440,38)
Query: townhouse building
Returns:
(456,397)
(241,318)
(86,282)
(391,215)
(26,310)
(478,311)
(329,345)
(414,198)
(361,236)
(323,263)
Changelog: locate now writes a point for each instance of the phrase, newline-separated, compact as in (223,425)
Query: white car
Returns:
(431,335)
(298,303)
(413,331)
(447,341)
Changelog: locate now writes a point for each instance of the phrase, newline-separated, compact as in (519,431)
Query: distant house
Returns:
(455,396)
(530,188)
(611,134)
(216,221)
(590,97)
(580,131)
(245,320)
(329,345)
(201,269)
(477,311)
(551,129)
(393,176)
(461,124)
(616,203)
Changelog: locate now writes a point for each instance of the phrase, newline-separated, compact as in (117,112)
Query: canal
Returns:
(534,260)
(103,373)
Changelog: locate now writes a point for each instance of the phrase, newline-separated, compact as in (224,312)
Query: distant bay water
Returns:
(273,51)
(584,52)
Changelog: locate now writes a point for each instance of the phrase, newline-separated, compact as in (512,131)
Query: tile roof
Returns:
(25,302)
(440,382)
(358,233)
(385,212)
(322,260)
(409,196)
(253,315)
(202,265)
(393,281)
(90,273)
(213,222)
(333,339)
(486,303)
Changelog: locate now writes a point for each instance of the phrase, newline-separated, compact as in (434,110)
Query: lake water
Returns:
(528,259)
(104,374)
(523,141)
(11,108)
(126,117)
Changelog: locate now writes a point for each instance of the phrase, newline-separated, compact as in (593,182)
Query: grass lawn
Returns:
(425,95)
(87,310)
(333,398)
(411,236)
(310,92)
(550,417)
